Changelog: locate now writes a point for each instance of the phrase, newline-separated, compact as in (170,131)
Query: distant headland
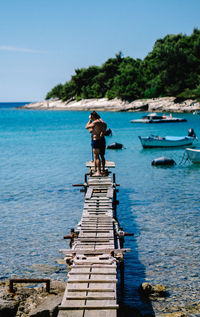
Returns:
(125,84)
(163,104)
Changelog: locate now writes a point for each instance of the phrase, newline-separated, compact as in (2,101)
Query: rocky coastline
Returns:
(28,301)
(164,104)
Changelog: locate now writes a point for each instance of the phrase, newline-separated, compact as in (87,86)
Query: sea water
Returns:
(43,153)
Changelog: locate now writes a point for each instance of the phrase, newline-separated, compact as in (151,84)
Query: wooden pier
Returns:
(96,247)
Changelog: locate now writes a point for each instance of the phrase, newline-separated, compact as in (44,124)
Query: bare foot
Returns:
(97,174)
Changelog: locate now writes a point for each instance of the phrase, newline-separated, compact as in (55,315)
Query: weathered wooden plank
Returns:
(99,229)
(92,244)
(89,297)
(103,226)
(100,313)
(107,164)
(92,281)
(95,235)
(93,239)
(89,192)
(100,197)
(96,227)
(89,262)
(88,306)
(98,290)
(96,224)
(68,251)
(99,208)
(91,273)
(84,270)
(110,193)
(94,266)
(78,277)
(75,313)
(94,201)
(97,219)
(104,270)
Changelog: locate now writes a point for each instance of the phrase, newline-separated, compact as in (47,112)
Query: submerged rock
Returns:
(158,290)
(174,314)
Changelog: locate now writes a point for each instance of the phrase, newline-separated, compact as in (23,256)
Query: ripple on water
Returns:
(44,153)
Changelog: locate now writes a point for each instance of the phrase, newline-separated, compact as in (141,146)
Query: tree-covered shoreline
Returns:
(172,68)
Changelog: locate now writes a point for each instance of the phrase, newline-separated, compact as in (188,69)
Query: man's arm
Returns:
(90,124)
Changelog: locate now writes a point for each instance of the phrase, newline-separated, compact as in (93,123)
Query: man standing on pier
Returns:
(97,127)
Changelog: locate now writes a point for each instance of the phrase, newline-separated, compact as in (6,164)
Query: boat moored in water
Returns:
(197,112)
(154,118)
(193,155)
(154,141)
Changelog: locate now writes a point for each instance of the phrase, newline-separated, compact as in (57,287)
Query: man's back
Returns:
(99,129)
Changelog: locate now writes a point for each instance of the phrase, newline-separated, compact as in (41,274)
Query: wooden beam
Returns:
(89,297)
(114,281)
(91,290)
(89,192)
(104,307)
(68,251)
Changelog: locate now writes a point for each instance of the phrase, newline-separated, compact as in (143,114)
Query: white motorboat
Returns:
(154,118)
(193,155)
(154,141)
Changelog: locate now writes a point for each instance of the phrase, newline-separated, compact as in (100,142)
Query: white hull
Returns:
(153,142)
(193,155)
(152,120)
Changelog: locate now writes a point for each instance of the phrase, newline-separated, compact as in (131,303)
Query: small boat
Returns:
(155,141)
(193,155)
(197,112)
(154,118)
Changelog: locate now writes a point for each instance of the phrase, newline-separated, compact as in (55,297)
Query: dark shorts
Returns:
(99,144)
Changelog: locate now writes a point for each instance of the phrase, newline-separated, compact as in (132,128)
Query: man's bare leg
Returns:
(97,161)
(95,165)
(103,163)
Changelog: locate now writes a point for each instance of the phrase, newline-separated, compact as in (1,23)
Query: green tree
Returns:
(172,68)
(56,92)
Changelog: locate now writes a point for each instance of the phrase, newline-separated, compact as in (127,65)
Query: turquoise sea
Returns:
(44,152)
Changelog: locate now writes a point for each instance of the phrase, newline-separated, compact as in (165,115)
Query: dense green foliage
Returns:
(171,69)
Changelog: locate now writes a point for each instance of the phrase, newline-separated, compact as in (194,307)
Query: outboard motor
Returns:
(191,133)
(108,132)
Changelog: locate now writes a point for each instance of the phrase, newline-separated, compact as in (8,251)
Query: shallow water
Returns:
(44,152)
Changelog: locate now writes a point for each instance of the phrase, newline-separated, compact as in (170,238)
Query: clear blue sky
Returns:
(42,42)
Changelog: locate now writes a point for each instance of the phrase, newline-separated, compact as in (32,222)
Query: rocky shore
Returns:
(29,301)
(164,104)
